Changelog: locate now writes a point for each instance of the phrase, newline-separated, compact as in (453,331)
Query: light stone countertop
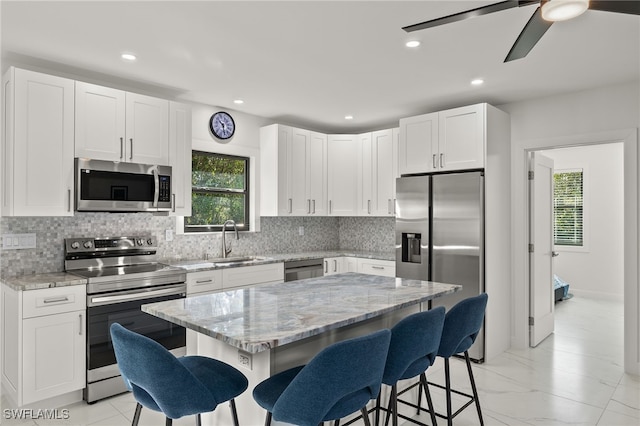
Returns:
(40,281)
(62,279)
(265,316)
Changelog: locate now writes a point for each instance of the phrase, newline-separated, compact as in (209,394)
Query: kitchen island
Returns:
(268,328)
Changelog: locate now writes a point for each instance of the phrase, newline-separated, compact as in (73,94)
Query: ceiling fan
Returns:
(545,15)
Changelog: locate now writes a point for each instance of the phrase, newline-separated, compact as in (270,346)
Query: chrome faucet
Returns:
(225,250)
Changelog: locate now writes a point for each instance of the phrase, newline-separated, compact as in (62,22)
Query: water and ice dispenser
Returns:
(411,247)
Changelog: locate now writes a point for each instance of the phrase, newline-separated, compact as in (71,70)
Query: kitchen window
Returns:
(568,203)
(219,192)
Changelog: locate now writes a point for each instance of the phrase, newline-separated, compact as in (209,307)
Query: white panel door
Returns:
(298,163)
(461,138)
(367,189)
(317,172)
(418,145)
(541,310)
(343,152)
(383,146)
(43,145)
(147,125)
(100,122)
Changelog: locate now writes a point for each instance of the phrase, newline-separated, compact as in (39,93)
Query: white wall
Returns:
(597,269)
(592,116)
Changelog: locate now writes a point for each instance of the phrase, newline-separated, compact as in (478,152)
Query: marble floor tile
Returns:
(571,378)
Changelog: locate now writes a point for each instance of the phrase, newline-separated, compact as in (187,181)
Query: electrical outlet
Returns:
(245,359)
(18,241)
(168,235)
(300,230)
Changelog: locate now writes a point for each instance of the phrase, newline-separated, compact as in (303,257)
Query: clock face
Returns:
(222,125)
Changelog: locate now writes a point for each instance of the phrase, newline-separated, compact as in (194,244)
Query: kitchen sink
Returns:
(222,261)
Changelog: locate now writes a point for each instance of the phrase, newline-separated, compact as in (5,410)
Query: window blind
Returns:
(568,208)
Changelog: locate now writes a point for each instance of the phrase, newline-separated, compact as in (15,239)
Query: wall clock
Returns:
(222,125)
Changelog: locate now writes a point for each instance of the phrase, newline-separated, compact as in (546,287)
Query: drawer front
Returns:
(51,301)
(249,275)
(379,267)
(204,282)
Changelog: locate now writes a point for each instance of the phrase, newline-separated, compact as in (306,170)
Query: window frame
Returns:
(246,226)
(584,246)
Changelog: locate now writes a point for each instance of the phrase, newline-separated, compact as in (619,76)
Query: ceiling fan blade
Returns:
(629,7)
(479,11)
(530,35)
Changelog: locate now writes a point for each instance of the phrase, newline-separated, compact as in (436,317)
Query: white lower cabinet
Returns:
(250,275)
(203,282)
(44,341)
(333,265)
(385,268)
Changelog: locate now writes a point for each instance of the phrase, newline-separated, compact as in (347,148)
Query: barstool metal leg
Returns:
(432,412)
(365,416)
(136,415)
(267,420)
(234,412)
(198,420)
(447,381)
(168,422)
(378,409)
(473,387)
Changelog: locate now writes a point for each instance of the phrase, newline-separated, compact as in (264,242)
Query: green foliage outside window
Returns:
(568,208)
(220,191)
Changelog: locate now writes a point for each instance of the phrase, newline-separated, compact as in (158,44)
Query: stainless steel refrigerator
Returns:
(440,235)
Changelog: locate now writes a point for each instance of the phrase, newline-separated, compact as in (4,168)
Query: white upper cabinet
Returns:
(418,144)
(37,150)
(379,170)
(293,171)
(461,138)
(344,174)
(443,141)
(180,157)
(121,126)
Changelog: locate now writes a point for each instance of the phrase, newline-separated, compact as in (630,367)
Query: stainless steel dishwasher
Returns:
(301,269)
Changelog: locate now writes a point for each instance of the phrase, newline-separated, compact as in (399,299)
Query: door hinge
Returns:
(531,321)
(531,174)
(530,248)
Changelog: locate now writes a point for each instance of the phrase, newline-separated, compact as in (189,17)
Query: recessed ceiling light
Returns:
(561,10)
(348,117)
(477,82)
(128,57)
(412,43)
(238,101)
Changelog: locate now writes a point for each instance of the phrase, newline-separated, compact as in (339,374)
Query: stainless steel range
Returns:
(122,275)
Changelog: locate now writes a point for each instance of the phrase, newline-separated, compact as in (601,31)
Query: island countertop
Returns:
(262,317)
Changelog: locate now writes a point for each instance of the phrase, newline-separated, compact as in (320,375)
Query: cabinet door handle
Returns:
(394,206)
(330,207)
(368,206)
(173,203)
(131,153)
(81,324)
(121,147)
(377,267)
(335,265)
(204,281)
(69,205)
(435,165)
(314,206)
(308,206)
(441,160)
(326,266)
(290,205)
(56,299)
(389,206)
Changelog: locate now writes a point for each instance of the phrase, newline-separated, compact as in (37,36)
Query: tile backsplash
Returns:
(277,235)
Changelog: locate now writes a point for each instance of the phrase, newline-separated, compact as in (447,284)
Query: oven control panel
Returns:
(119,244)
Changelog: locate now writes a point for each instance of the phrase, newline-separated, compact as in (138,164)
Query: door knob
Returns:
(555,254)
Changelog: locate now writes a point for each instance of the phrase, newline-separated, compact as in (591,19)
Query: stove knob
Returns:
(88,244)
(140,241)
(150,242)
(75,245)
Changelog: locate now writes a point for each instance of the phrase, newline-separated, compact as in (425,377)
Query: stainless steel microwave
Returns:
(112,186)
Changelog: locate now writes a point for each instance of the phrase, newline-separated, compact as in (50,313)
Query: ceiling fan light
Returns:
(562,10)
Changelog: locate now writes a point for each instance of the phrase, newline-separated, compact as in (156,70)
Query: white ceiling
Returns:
(311,63)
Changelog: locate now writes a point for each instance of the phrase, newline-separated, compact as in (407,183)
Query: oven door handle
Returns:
(116,298)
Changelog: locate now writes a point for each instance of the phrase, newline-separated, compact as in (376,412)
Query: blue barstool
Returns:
(340,380)
(413,348)
(461,327)
(176,387)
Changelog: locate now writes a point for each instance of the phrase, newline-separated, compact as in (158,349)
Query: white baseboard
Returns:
(588,294)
